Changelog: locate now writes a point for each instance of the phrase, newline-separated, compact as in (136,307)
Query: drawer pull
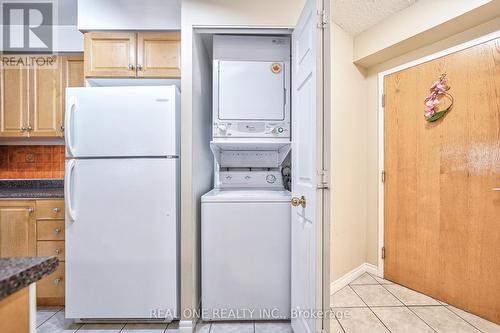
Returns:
(56,209)
(57,231)
(30,210)
(57,251)
(57,281)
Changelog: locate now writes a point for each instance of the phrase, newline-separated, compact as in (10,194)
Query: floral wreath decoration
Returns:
(438,90)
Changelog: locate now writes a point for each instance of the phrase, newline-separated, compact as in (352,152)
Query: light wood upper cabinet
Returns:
(32,100)
(17,229)
(14,101)
(159,55)
(110,54)
(46,102)
(136,55)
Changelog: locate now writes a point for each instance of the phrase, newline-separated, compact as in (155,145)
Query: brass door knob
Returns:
(299,202)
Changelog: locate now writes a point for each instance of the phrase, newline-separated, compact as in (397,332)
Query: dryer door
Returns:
(251,90)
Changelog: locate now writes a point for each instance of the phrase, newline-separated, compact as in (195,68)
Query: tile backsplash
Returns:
(31,162)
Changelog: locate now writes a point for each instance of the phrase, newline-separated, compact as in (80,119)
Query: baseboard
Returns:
(347,278)
(186,326)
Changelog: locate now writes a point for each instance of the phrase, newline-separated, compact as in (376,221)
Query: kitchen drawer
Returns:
(50,248)
(49,209)
(50,230)
(52,286)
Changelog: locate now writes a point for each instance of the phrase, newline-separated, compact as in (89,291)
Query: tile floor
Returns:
(51,320)
(367,305)
(372,305)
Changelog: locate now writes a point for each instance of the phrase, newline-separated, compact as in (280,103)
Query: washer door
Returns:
(245,260)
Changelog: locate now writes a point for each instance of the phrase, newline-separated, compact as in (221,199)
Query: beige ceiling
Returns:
(355,16)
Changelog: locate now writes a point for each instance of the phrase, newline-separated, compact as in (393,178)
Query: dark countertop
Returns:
(18,273)
(31,188)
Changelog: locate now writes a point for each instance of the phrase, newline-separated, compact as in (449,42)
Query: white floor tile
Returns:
(144,328)
(380,280)
(345,298)
(401,320)
(335,326)
(58,324)
(376,295)
(365,278)
(173,327)
(44,314)
(482,324)
(101,328)
(273,327)
(443,320)
(410,297)
(361,320)
(202,327)
(232,328)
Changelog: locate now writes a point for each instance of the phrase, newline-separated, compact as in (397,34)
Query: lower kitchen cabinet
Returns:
(17,229)
(50,242)
(36,228)
(50,290)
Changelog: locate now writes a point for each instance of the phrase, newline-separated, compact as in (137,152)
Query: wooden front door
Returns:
(442,212)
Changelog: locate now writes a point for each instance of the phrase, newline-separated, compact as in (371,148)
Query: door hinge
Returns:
(382,176)
(323,180)
(322,19)
(383,100)
(383,252)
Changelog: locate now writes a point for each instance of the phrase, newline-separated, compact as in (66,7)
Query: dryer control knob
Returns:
(270,179)
(222,128)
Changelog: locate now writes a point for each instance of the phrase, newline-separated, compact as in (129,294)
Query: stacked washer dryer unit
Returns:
(245,226)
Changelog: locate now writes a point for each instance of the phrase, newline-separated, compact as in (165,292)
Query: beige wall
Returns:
(425,22)
(197,13)
(348,158)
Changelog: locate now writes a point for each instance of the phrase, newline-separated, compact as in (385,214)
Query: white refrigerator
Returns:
(122,203)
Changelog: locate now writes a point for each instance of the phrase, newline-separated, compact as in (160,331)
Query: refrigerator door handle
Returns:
(67,189)
(67,125)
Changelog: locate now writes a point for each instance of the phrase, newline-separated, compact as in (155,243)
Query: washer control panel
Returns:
(250,179)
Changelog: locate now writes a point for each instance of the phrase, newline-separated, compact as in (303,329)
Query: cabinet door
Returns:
(17,229)
(46,100)
(14,91)
(73,76)
(159,54)
(110,54)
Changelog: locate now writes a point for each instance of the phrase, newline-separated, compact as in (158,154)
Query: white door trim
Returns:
(381,75)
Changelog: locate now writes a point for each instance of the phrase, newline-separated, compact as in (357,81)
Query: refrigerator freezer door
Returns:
(121,238)
(122,121)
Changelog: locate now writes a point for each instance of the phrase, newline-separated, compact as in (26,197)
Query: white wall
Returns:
(348,158)
(129,15)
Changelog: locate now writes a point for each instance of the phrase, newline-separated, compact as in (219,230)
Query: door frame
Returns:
(323,279)
(381,129)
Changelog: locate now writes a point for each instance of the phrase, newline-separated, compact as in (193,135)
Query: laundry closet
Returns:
(245,218)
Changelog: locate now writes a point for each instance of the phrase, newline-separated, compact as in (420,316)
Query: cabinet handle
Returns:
(57,281)
(139,67)
(57,251)
(30,128)
(57,231)
(62,128)
(24,129)
(56,209)
(30,210)
(131,67)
